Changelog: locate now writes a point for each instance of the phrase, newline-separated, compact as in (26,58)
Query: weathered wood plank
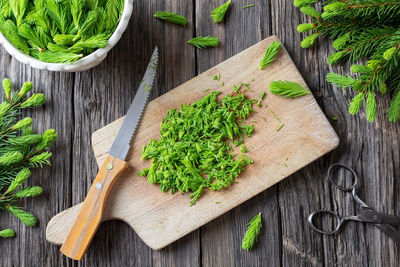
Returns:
(221,238)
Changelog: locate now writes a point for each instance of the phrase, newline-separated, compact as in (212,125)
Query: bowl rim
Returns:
(84,63)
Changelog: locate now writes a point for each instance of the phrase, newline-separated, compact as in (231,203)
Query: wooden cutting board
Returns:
(161,218)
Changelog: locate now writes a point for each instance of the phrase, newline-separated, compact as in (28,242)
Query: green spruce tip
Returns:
(309,40)
(7,233)
(310,11)
(394,109)
(218,14)
(253,230)
(305,27)
(24,216)
(300,3)
(356,103)
(204,42)
(270,54)
(171,17)
(288,89)
(7,86)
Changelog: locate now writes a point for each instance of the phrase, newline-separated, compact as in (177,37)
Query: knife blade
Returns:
(91,213)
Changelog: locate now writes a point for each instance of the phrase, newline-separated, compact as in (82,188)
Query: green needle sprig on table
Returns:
(253,230)
(361,29)
(20,150)
(59,31)
(193,152)
(218,14)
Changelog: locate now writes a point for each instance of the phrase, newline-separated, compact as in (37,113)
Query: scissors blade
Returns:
(390,232)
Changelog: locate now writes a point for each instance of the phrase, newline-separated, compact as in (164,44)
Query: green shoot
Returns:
(270,54)
(251,5)
(253,230)
(218,13)
(287,89)
(203,42)
(171,17)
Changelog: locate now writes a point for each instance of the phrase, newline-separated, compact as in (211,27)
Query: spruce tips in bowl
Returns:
(73,35)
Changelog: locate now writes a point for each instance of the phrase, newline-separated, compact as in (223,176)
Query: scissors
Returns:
(383,221)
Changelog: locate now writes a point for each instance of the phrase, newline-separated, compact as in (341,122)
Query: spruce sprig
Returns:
(218,14)
(287,89)
(360,29)
(171,17)
(253,230)
(270,54)
(59,31)
(203,42)
(20,150)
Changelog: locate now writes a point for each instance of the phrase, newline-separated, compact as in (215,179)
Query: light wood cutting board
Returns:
(161,218)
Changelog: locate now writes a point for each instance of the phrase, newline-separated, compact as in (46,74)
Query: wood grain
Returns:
(81,103)
(306,136)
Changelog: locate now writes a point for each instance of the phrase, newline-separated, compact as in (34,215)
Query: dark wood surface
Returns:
(80,103)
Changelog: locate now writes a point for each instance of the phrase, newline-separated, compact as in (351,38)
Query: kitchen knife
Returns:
(91,212)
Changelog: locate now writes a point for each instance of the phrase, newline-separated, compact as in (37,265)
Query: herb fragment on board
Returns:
(171,17)
(194,151)
(21,151)
(218,13)
(280,127)
(253,230)
(262,94)
(203,42)
(217,77)
(247,6)
(287,89)
(270,54)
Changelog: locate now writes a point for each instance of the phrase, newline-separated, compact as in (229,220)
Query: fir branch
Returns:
(287,89)
(270,54)
(21,149)
(253,230)
(171,17)
(203,42)
(218,13)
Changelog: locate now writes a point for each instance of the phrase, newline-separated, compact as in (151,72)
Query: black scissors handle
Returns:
(366,215)
(337,166)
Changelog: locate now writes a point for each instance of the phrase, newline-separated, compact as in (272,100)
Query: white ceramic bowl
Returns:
(82,64)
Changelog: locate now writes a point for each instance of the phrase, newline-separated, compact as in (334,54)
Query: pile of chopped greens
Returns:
(195,151)
(59,31)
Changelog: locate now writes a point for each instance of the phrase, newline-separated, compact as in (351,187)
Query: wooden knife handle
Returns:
(91,213)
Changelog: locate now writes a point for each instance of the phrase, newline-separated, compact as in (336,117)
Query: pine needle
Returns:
(218,13)
(203,42)
(247,6)
(287,89)
(270,54)
(171,17)
(253,230)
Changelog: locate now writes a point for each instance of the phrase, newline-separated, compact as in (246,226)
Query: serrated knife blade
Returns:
(91,213)
(121,144)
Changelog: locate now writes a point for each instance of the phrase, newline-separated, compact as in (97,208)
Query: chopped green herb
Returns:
(238,142)
(218,202)
(171,17)
(203,42)
(253,230)
(216,77)
(236,88)
(193,152)
(223,83)
(334,118)
(265,119)
(280,127)
(287,89)
(276,117)
(270,54)
(262,94)
(206,90)
(243,149)
(218,13)
(251,5)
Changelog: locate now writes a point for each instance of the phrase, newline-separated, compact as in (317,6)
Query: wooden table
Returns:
(80,103)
